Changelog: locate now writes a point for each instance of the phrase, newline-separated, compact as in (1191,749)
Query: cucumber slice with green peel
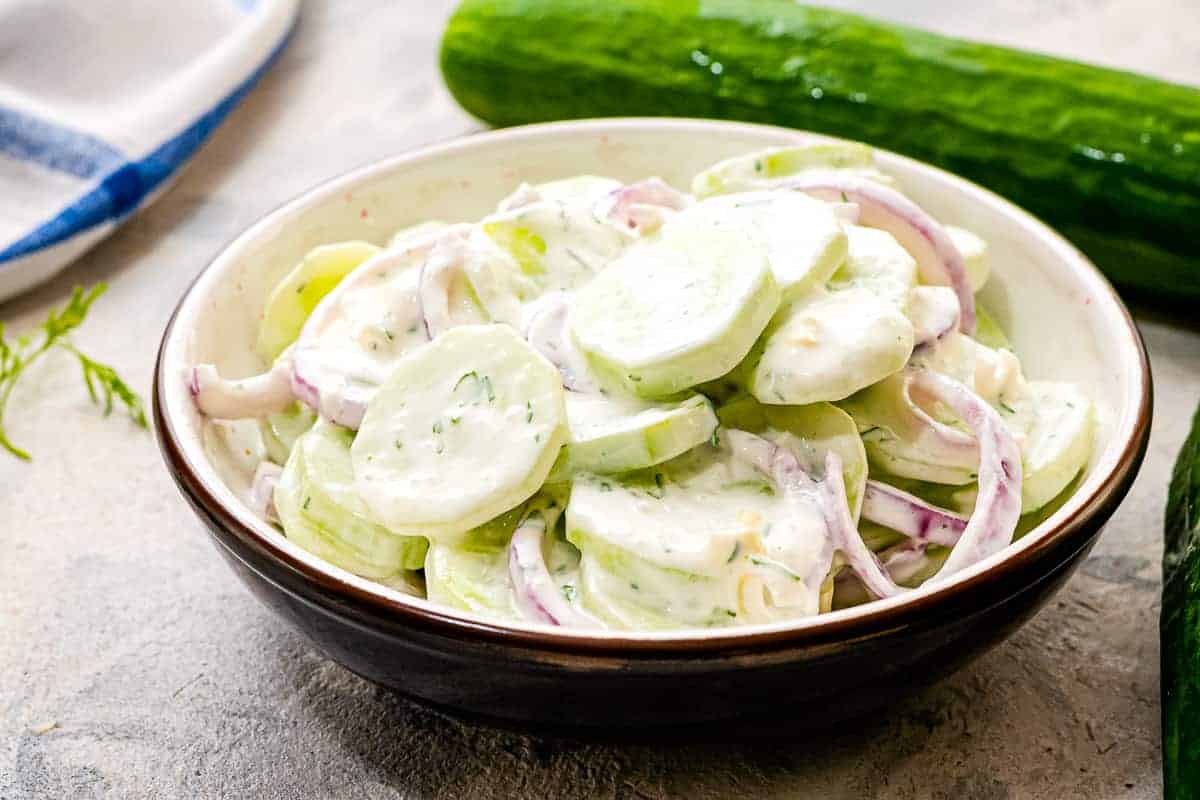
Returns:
(630,593)
(280,431)
(463,430)
(1057,421)
(809,432)
(295,297)
(829,346)
(803,237)
(414,232)
(320,511)
(608,434)
(556,246)
(758,170)
(677,310)
(875,261)
(473,573)
(976,257)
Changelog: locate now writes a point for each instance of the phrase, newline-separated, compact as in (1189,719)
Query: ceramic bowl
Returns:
(1063,318)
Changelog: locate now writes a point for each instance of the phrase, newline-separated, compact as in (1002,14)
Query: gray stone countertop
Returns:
(133,664)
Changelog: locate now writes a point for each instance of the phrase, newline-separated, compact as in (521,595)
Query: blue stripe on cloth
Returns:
(56,147)
(124,188)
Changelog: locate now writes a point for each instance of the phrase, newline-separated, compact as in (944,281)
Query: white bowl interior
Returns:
(1063,319)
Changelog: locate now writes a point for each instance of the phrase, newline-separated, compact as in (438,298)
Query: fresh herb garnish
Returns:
(102,382)
(529,411)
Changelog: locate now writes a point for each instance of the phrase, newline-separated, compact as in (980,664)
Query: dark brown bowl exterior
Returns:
(826,672)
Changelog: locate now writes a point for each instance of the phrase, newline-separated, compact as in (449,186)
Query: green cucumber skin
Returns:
(1181,626)
(1111,158)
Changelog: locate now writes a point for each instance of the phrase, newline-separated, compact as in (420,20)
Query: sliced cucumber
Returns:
(320,510)
(473,574)
(1057,420)
(828,346)
(988,331)
(680,309)
(627,592)
(701,540)
(809,432)
(294,297)
(609,434)
(875,261)
(765,167)
(557,246)
(280,431)
(975,256)
(802,236)
(463,430)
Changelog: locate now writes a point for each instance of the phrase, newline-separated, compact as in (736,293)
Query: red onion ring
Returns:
(256,396)
(885,208)
(538,596)
(910,515)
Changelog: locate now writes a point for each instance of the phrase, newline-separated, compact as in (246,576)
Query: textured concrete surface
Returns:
(132,664)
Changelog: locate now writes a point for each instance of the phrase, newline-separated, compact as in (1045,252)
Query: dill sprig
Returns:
(103,384)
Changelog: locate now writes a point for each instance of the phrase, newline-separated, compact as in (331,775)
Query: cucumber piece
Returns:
(828,346)
(1057,422)
(281,431)
(679,309)
(701,540)
(809,432)
(295,297)
(1180,625)
(802,236)
(557,246)
(473,574)
(975,255)
(627,592)
(414,232)
(463,430)
(320,510)
(875,261)
(1120,175)
(988,331)
(609,434)
(764,168)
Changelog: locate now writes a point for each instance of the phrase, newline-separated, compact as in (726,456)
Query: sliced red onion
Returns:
(998,505)
(937,436)
(256,396)
(845,535)
(642,207)
(908,514)
(934,312)
(785,469)
(538,597)
(882,207)
(262,491)
(547,332)
(525,195)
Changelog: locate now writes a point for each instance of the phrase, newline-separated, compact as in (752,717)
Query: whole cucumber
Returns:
(1110,158)
(1181,626)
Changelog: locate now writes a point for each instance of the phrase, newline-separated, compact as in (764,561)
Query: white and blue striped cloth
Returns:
(101,103)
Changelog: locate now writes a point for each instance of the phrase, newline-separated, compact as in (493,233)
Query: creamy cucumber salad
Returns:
(626,406)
